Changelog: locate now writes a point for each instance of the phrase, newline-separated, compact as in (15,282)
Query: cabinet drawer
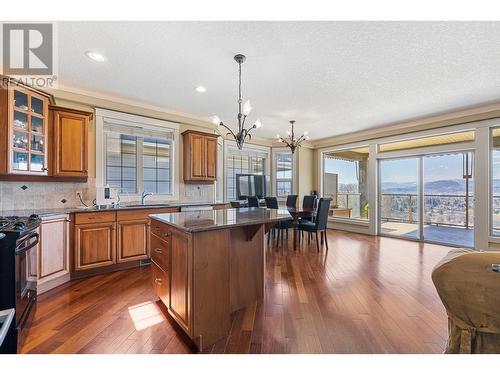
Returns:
(94,217)
(161,230)
(133,214)
(159,252)
(159,281)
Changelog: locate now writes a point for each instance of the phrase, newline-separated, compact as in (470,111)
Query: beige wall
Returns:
(305,168)
(88,102)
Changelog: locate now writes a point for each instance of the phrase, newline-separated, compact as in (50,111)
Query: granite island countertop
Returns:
(201,221)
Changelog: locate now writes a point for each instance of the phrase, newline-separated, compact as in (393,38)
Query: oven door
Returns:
(25,280)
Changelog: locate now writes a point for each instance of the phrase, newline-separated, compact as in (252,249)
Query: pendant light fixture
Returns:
(291,141)
(243,111)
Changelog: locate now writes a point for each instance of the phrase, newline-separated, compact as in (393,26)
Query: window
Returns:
(495,182)
(156,166)
(247,161)
(137,155)
(121,162)
(345,181)
(283,164)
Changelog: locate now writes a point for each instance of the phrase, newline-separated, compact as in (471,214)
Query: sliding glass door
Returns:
(428,198)
(399,197)
(449,199)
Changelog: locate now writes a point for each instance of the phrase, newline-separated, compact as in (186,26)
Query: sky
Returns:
(442,167)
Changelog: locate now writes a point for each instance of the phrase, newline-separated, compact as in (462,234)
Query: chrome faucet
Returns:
(144,195)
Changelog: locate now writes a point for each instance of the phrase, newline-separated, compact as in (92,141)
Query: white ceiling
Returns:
(331,77)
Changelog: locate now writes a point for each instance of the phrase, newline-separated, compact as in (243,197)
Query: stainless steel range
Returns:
(18,276)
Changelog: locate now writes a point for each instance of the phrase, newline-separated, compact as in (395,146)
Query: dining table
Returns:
(296,213)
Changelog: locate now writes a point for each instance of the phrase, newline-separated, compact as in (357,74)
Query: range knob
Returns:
(19,225)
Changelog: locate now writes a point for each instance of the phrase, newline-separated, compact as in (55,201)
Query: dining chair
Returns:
(309,202)
(320,225)
(291,201)
(253,201)
(272,202)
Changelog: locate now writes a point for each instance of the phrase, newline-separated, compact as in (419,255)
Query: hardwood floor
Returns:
(366,295)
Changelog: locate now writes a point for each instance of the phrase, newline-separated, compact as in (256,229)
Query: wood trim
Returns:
(212,135)
(75,111)
(45,286)
(79,274)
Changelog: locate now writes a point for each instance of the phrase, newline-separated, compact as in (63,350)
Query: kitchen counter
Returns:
(206,265)
(199,221)
(43,212)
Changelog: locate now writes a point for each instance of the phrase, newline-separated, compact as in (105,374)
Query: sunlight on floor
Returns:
(145,315)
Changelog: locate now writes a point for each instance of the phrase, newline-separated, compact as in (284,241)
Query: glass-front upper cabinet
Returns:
(28,123)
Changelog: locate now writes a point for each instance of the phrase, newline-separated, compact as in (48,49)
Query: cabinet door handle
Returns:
(158,281)
(158,250)
(166,235)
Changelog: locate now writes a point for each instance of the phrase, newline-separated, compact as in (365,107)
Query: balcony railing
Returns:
(352,201)
(439,209)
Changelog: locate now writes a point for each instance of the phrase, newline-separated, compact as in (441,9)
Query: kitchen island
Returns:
(207,264)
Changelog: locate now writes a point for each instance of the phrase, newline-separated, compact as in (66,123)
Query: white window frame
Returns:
(278,151)
(230,146)
(148,123)
(482,174)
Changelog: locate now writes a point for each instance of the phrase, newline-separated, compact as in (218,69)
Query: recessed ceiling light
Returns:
(96,56)
(200,89)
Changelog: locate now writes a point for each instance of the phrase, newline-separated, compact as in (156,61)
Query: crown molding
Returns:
(440,120)
(96,98)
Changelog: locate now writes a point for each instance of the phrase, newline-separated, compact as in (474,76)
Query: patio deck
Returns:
(456,236)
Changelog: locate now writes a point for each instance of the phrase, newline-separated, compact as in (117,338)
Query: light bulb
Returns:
(306,133)
(288,132)
(277,136)
(215,120)
(96,56)
(247,108)
(258,124)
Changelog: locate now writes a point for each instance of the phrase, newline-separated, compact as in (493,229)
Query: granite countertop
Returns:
(201,221)
(69,210)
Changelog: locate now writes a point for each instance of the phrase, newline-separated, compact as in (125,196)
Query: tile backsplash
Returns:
(38,195)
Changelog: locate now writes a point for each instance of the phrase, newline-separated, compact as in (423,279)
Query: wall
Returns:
(305,169)
(63,194)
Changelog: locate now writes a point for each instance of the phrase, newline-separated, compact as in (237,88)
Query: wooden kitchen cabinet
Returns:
(69,130)
(95,245)
(133,240)
(24,118)
(160,283)
(200,157)
(180,279)
(53,252)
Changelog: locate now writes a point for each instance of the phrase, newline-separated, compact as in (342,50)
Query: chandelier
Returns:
(291,141)
(243,112)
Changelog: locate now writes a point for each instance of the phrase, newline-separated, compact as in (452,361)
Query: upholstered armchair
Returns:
(470,292)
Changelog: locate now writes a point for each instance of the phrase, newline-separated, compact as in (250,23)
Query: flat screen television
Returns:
(248,185)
